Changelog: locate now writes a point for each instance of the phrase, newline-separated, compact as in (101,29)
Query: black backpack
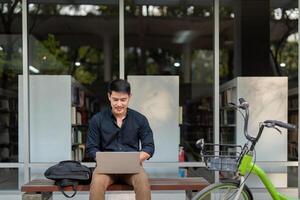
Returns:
(69,173)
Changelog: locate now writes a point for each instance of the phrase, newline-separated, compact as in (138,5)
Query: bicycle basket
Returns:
(226,158)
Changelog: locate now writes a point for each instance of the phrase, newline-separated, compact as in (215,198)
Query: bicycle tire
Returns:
(212,190)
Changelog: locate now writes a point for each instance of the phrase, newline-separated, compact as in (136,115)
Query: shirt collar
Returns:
(112,115)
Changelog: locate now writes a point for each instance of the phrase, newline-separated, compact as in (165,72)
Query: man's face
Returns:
(119,102)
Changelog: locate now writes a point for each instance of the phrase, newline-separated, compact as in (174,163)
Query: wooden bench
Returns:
(42,189)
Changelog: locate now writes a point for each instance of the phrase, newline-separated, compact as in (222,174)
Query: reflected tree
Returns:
(284,51)
(10,54)
(52,58)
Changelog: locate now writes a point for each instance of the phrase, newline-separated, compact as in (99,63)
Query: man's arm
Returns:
(147,142)
(93,139)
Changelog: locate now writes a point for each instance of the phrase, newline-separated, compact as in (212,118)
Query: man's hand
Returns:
(143,156)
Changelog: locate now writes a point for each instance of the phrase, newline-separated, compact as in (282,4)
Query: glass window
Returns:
(175,40)
(73,54)
(9,179)
(284,38)
(10,68)
(260,66)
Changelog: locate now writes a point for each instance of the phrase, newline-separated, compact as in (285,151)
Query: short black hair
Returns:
(119,85)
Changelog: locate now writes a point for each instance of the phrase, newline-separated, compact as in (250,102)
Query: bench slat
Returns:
(45,185)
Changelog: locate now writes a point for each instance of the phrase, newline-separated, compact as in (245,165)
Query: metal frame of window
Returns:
(216,116)
(26,121)
(25,164)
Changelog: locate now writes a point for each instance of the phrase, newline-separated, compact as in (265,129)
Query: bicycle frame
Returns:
(245,159)
(247,166)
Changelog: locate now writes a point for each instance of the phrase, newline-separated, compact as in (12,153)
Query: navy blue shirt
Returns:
(105,135)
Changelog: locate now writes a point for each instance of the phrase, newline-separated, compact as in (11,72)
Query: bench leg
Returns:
(37,196)
(188,194)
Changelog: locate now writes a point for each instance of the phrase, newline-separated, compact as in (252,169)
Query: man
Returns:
(120,128)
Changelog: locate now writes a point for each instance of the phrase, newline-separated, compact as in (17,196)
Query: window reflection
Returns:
(177,40)
(284,48)
(276,40)
(81,42)
(10,68)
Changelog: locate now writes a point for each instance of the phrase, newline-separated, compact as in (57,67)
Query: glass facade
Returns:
(176,40)
(78,45)
(10,68)
(73,52)
(168,40)
(284,49)
(248,59)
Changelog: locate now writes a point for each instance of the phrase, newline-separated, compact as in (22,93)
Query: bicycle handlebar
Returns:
(272,123)
(244,105)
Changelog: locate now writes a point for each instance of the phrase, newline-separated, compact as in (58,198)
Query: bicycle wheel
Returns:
(225,190)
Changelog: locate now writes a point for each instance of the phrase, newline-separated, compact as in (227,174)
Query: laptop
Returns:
(117,162)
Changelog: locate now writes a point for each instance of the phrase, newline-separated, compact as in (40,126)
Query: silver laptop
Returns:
(118,162)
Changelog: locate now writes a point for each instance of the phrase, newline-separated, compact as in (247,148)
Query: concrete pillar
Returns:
(187,62)
(107,49)
(252,38)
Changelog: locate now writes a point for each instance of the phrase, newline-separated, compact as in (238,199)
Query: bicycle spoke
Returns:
(230,195)
(223,194)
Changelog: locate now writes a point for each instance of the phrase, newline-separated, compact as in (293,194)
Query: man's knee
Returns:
(141,182)
(144,186)
(101,181)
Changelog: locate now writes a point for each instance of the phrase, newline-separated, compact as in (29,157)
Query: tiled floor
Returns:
(259,194)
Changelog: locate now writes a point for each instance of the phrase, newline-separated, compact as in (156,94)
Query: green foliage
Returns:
(109,10)
(225,12)
(48,57)
(176,12)
(224,61)
(84,76)
(48,9)
(289,56)
(152,68)
(202,66)
(10,60)
(51,58)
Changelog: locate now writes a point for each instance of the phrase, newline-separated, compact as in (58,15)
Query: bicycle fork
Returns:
(242,184)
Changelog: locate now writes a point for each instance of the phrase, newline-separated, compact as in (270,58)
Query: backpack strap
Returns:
(62,184)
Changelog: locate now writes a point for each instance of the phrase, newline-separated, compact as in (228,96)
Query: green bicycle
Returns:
(239,160)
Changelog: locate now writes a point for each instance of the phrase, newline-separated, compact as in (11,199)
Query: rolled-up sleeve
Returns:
(93,137)
(146,137)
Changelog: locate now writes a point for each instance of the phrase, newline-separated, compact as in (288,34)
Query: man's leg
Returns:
(99,184)
(140,184)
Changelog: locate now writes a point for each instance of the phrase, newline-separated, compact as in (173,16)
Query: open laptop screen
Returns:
(117,162)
